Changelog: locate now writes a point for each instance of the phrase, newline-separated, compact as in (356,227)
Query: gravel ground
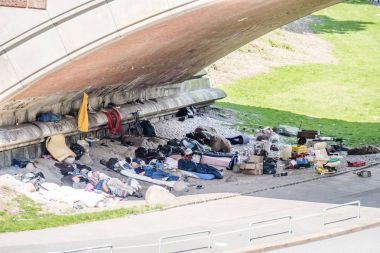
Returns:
(175,128)
(220,119)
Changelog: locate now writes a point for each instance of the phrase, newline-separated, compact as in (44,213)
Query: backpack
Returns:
(78,150)
(148,128)
(20,162)
(234,160)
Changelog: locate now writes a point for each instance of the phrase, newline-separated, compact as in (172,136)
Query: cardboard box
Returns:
(256,159)
(253,172)
(252,168)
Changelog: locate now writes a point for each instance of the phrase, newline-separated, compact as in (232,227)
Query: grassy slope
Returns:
(347,93)
(31,218)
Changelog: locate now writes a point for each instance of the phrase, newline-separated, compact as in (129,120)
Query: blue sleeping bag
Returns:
(199,168)
(204,176)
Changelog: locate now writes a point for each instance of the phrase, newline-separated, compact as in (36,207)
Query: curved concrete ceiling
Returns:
(169,50)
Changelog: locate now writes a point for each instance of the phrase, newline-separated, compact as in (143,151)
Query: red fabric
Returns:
(114,121)
(356,164)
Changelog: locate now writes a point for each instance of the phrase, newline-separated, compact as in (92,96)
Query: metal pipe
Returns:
(35,132)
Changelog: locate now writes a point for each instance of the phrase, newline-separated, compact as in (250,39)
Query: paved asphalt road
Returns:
(339,189)
(366,241)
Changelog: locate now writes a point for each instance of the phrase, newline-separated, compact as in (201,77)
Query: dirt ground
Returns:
(292,44)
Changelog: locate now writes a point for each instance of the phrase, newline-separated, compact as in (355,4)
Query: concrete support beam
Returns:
(13,137)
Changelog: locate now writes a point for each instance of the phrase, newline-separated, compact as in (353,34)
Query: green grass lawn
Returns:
(339,99)
(31,218)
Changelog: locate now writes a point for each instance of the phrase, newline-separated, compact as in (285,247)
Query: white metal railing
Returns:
(283,219)
(325,210)
(208,232)
(210,235)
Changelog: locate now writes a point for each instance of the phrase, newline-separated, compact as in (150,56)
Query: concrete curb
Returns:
(307,238)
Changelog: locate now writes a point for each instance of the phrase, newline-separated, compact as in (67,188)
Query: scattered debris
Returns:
(363,173)
(363,150)
(173,158)
(356,164)
(286,130)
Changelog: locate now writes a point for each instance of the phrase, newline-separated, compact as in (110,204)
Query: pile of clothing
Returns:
(82,177)
(186,112)
(209,136)
(154,169)
(201,154)
(188,159)
(198,170)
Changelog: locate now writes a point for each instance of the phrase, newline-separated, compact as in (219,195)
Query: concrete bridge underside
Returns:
(119,51)
(116,48)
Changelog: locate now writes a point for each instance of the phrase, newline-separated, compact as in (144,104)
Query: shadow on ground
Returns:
(362,2)
(335,190)
(330,25)
(354,133)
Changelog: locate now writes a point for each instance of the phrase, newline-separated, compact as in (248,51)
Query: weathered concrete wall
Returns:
(28,133)
(38,149)
(97,99)
(35,42)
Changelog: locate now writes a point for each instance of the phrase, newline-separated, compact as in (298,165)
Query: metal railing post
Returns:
(208,232)
(326,209)
(289,231)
